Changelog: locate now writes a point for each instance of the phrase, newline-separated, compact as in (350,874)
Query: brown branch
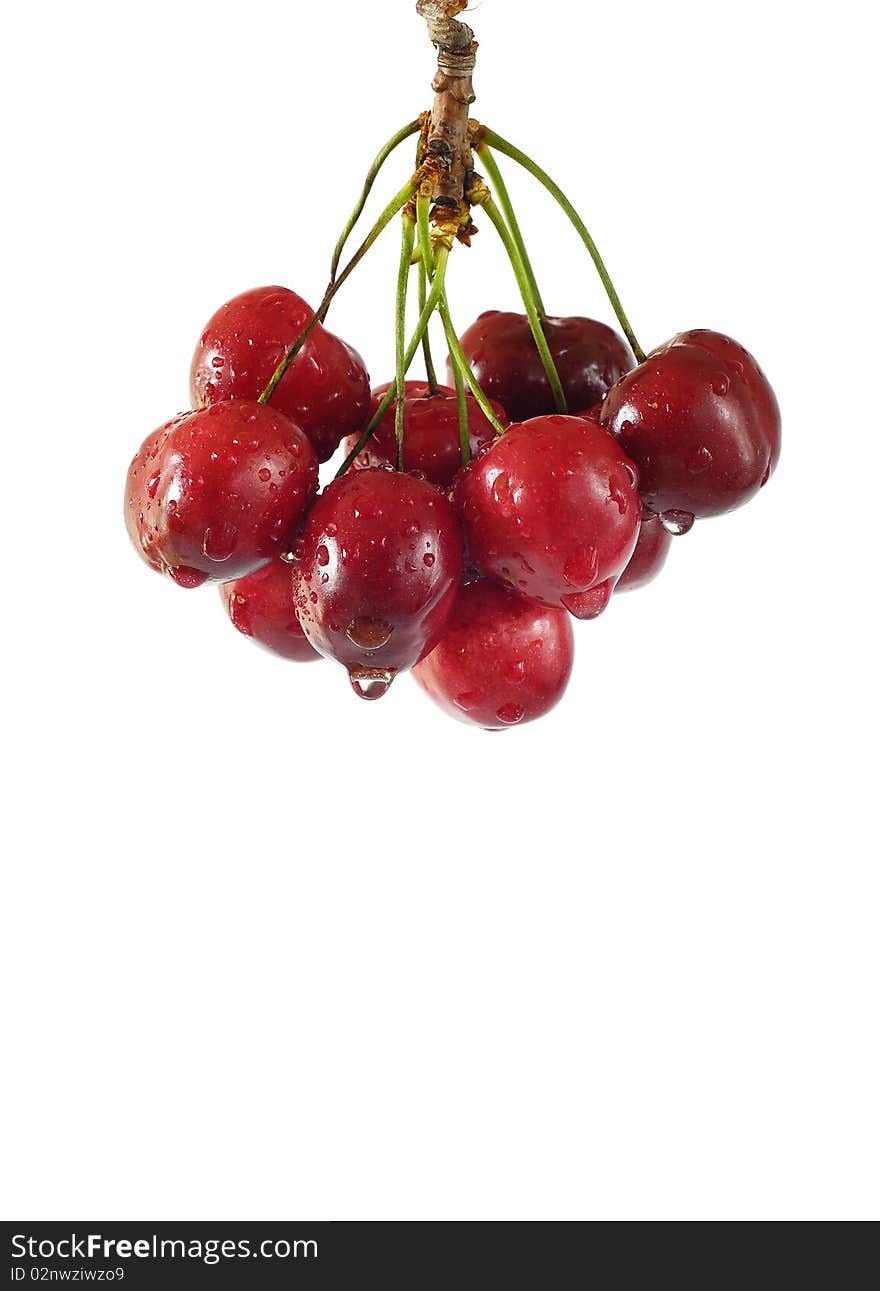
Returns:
(448,146)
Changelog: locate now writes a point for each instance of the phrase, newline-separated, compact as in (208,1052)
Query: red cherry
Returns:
(326,390)
(431,444)
(649,556)
(552,510)
(218,492)
(701,422)
(381,565)
(589,358)
(502,661)
(261,606)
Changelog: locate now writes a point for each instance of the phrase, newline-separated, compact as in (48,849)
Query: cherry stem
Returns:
(433,384)
(423,222)
(529,301)
(461,365)
(499,187)
(394,206)
(415,341)
(406,132)
(407,243)
(430,370)
(487,136)
(457,357)
(464,426)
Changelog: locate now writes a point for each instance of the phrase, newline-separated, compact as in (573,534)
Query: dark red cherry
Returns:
(501,661)
(218,492)
(261,606)
(326,390)
(589,358)
(552,510)
(701,422)
(381,564)
(431,442)
(649,556)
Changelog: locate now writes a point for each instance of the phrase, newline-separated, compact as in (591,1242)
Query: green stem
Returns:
(499,187)
(502,145)
(423,210)
(396,204)
(529,301)
(431,304)
(461,365)
(407,242)
(382,156)
(457,357)
(464,427)
(433,384)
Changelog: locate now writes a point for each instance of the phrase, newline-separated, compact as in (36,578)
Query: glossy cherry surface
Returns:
(552,510)
(381,563)
(649,556)
(218,492)
(326,390)
(701,422)
(501,661)
(261,606)
(589,358)
(431,441)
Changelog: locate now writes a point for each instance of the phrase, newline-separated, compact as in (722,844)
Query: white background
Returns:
(271,953)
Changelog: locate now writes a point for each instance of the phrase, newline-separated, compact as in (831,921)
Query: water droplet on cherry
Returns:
(677,523)
(590,604)
(239,615)
(186,577)
(369,634)
(510,714)
(516,671)
(371,683)
(219,541)
(699,460)
(617,496)
(581,567)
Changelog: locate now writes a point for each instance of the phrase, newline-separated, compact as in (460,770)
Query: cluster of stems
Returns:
(427,238)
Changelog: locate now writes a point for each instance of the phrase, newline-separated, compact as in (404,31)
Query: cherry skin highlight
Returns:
(552,511)
(589,358)
(649,556)
(261,606)
(381,563)
(216,493)
(701,422)
(501,661)
(431,442)
(326,390)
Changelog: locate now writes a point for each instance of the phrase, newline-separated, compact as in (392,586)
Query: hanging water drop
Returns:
(677,523)
(371,683)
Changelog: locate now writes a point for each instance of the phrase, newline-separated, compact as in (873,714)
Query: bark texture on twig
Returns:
(448,144)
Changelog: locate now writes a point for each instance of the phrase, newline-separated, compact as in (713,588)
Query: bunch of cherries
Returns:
(470,523)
